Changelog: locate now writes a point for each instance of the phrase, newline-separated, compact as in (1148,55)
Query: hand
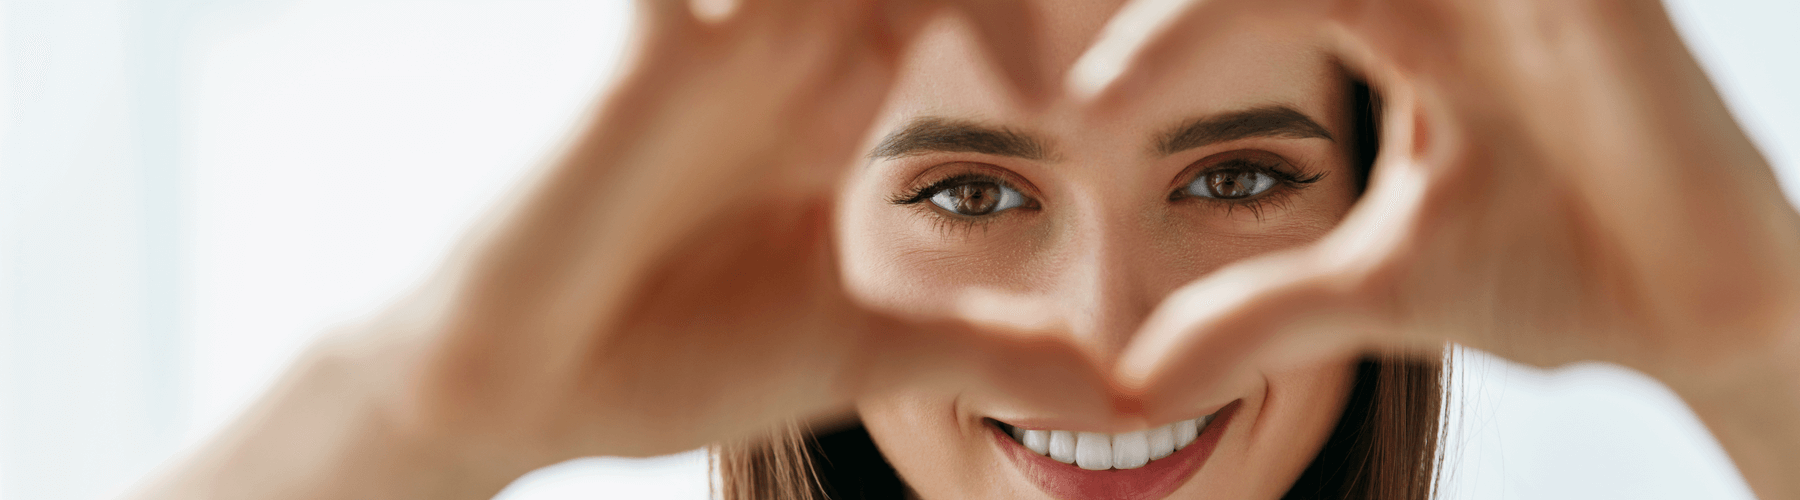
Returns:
(1558,182)
(671,283)
(668,283)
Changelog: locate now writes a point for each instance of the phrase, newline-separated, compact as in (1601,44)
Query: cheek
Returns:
(899,261)
(1302,408)
(1296,411)
(1198,239)
(867,234)
(934,453)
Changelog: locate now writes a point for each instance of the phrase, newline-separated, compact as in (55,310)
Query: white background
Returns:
(192,189)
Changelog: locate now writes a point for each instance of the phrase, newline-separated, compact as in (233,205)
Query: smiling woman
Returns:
(1198,278)
(1075,219)
(1264,148)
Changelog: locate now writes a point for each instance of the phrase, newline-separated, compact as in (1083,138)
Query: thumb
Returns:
(1009,33)
(1134,54)
(1273,311)
(1010,363)
(1341,294)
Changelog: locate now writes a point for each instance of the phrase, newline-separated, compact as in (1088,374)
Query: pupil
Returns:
(1229,184)
(976,199)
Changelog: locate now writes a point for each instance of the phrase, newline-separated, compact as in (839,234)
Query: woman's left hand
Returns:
(1558,182)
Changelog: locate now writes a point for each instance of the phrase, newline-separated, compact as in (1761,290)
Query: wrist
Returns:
(1751,405)
(383,448)
(329,429)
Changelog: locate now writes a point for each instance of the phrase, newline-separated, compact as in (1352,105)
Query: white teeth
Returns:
(1162,441)
(1097,451)
(1037,441)
(1093,451)
(1130,450)
(1062,446)
(1185,432)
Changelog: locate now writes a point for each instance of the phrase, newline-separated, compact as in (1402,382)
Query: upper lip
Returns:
(1038,422)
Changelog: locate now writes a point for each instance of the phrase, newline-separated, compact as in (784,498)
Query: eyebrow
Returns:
(1267,121)
(942,135)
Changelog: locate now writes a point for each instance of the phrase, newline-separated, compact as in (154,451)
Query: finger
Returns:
(1009,33)
(1147,36)
(1410,35)
(1033,369)
(713,11)
(788,12)
(1344,293)
(669,16)
(1262,314)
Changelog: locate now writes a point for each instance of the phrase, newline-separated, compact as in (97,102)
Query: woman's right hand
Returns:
(671,282)
(667,283)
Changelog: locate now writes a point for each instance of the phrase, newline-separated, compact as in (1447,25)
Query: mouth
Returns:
(1141,465)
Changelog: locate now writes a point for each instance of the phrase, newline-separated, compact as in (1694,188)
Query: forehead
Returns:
(1247,64)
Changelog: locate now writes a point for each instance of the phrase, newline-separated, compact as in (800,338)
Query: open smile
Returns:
(1141,465)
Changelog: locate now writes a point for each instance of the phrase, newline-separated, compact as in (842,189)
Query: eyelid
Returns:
(946,171)
(1258,160)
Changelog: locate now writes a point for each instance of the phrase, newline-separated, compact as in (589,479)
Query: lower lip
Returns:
(1153,481)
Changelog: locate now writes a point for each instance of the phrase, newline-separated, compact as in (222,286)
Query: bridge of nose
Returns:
(1118,262)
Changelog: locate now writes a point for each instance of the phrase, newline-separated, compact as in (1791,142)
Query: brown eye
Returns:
(1230,184)
(977,198)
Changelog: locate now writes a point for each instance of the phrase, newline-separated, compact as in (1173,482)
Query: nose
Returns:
(1102,284)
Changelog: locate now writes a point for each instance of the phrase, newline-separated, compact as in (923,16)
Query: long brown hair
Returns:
(1385,445)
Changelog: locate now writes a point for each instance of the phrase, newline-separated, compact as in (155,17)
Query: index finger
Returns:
(1009,32)
(1268,310)
(1148,35)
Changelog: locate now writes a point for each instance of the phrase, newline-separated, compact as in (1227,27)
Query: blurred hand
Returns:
(1558,182)
(671,283)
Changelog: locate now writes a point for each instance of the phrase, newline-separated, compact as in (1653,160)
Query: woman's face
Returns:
(1098,220)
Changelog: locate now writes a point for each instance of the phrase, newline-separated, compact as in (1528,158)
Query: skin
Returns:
(1559,182)
(1568,186)
(1103,245)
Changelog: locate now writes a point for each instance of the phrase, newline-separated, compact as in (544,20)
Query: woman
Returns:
(776,221)
(1257,150)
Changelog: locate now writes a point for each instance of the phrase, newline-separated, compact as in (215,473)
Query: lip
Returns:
(1153,481)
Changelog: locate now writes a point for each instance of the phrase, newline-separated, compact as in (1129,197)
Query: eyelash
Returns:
(1287,184)
(946,222)
(925,192)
